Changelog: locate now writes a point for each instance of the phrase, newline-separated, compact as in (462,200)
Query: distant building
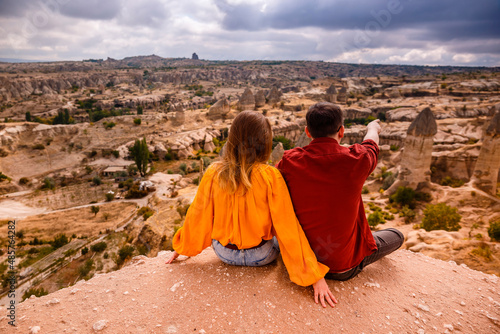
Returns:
(111,170)
(195,56)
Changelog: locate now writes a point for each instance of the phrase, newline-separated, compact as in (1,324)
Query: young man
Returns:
(325,181)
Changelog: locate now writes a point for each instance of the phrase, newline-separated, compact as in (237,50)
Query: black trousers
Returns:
(387,241)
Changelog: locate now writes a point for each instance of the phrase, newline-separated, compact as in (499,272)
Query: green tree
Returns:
(441,217)
(140,153)
(28,116)
(494,231)
(59,241)
(404,196)
(94,209)
(140,110)
(98,247)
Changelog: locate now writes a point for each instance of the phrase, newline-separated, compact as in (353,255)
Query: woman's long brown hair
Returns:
(249,143)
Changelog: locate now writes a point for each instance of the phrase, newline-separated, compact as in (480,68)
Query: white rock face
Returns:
(488,163)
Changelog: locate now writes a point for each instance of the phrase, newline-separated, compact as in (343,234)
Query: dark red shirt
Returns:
(325,181)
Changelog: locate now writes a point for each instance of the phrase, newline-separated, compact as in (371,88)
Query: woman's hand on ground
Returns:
(322,292)
(174,256)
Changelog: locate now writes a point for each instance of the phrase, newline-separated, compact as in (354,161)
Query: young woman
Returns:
(243,209)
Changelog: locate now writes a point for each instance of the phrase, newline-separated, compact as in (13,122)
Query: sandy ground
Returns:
(79,221)
(16,210)
(403,293)
(163,183)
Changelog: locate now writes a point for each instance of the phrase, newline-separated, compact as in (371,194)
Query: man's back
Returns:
(325,182)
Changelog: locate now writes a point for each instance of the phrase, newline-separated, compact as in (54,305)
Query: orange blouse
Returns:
(265,211)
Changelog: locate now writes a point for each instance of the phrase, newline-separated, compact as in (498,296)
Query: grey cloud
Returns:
(477,19)
(91,9)
(144,13)
(14,7)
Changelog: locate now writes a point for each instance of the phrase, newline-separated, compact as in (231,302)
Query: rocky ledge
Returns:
(402,293)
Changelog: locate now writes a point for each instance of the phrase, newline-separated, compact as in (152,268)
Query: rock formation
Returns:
(414,170)
(393,93)
(303,140)
(274,96)
(485,174)
(247,100)
(342,96)
(277,154)
(180,117)
(260,99)
(331,94)
(219,110)
(357,112)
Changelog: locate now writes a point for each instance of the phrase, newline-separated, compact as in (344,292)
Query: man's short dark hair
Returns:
(324,119)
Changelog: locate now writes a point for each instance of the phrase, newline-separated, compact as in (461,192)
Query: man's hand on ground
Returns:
(322,292)
(174,256)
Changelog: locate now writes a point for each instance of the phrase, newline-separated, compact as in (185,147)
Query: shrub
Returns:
(85,250)
(48,183)
(38,147)
(388,181)
(484,251)
(441,217)
(404,196)
(287,143)
(98,247)
(365,190)
(124,253)
(109,125)
(137,121)
(109,197)
(408,214)
(206,161)
(182,210)
(394,147)
(376,218)
(24,181)
(95,209)
(59,241)
(494,231)
(85,269)
(115,153)
(135,192)
(145,212)
(96,180)
(34,292)
(451,182)
(183,167)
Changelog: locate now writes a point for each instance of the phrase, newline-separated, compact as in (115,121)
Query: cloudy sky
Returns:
(422,32)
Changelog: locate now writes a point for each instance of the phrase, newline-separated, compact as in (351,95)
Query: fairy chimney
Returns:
(414,170)
(219,110)
(274,96)
(342,95)
(331,94)
(485,175)
(247,100)
(277,154)
(260,99)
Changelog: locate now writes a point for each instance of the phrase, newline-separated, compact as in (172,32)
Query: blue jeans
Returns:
(254,257)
